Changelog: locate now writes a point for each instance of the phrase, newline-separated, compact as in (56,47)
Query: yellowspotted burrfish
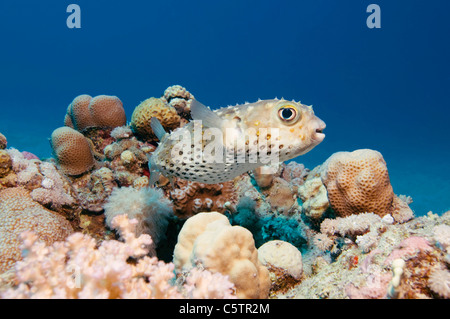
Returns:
(218,145)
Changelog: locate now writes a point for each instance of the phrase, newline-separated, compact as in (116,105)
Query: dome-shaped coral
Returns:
(153,107)
(358,182)
(107,111)
(100,111)
(210,240)
(18,213)
(72,151)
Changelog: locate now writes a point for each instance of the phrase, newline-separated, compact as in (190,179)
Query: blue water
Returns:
(384,89)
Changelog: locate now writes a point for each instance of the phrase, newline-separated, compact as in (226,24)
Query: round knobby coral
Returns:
(19,213)
(209,239)
(358,182)
(100,111)
(153,107)
(72,151)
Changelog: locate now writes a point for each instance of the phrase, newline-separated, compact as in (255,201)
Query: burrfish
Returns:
(218,145)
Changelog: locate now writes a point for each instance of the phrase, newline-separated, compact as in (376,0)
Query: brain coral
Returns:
(358,182)
(100,111)
(18,213)
(153,107)
(72,151)
(208,239)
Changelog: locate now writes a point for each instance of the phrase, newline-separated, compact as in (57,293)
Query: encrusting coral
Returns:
(190,198)
(209,240)
(19,213)
(72,151)
(153,107)
(100,111)
(77,269)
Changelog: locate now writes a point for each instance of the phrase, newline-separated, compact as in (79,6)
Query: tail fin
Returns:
(157,128)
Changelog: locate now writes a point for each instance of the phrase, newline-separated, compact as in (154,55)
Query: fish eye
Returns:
(287,113)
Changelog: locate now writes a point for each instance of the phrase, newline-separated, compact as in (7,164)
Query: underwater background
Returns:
(385,89)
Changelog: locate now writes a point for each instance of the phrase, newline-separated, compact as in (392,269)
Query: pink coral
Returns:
(409,247)
(77,268)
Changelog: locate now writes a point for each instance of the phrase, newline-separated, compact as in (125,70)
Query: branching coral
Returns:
(77,268)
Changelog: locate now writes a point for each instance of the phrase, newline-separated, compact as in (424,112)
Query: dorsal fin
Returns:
(202,113)
(157,128)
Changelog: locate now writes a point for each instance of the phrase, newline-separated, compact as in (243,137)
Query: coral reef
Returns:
(284,231)
(100,111)
(153,107)
(72,151)
(209,240)
(19,213)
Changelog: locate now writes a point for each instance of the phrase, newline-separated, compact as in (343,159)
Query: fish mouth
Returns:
(319,135)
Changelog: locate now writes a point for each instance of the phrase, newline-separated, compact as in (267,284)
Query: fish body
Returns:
(219,145)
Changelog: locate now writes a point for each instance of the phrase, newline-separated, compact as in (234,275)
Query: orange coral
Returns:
(100,111)
(72,151)
(18,213)
(358,182)
(153,107)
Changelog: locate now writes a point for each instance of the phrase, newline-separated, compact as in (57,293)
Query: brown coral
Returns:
(5,163)
(153,107)
(3,141)
(190,198)
(358,182)
(18,213)
(100,111)
(72,151)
